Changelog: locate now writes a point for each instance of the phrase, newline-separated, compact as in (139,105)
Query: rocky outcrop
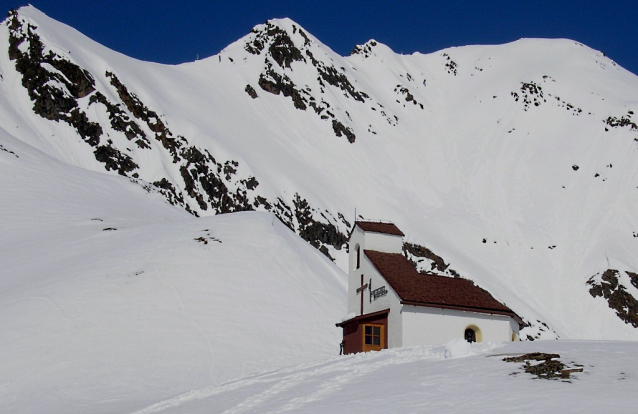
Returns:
(53,83)
(273,82)
(280,46)
(168,190)
(550,366)
(317,233)
(450,65)
(364,50)
(142,112)
(421,257)
(280,50)
(610,287)
(120,121)
(336,78)
(250,91)
(340,130)
(114,160)
(622,122)
(531,94)
(402,90)
(56,86)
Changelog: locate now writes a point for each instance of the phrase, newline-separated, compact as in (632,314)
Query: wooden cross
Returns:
(360,290)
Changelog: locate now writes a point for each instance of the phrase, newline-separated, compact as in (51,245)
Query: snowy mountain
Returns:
(511,165)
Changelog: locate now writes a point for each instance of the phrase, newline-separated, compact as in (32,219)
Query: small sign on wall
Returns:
(377,293)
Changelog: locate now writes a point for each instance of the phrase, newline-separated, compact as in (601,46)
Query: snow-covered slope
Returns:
(437,380)
(110,297)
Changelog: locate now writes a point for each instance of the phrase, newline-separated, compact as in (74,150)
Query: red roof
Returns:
(376,227)
(419,289)
(362,317)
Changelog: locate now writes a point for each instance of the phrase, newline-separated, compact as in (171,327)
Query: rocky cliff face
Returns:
(62,91)
(279,49)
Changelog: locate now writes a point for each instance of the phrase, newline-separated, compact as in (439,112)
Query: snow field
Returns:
(419,379)
(111,298)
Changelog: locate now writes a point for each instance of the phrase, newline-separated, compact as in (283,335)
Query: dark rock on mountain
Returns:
(272,82)
(251,91)
(616,294)
(340,130)
(204,181)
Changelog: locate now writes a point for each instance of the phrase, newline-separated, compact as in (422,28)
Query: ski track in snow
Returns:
(325,378)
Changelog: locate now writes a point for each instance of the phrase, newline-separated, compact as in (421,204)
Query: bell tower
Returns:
(368,235)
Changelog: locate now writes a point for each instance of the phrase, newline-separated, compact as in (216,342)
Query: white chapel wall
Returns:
(395,324)
(371,277)
(390,301)
(514,329)
(433,326)
(355,245)
(381,242)
(371,241)
(356,241)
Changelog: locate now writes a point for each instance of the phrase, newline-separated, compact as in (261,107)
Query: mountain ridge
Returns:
(479,141)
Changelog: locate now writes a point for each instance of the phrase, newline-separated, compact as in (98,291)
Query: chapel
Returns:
(392,305)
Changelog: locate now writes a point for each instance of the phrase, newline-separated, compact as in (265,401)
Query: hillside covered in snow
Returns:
(111,297)
(513,165)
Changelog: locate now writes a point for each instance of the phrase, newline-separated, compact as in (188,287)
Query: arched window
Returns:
(473,334)
(470,335)
(358,253)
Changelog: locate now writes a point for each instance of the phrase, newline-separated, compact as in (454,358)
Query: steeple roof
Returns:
(378,227)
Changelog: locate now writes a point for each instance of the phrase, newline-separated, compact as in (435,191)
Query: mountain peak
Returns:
(283,39)
(371,48)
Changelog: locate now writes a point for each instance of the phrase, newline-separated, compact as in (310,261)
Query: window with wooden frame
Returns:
(372,338)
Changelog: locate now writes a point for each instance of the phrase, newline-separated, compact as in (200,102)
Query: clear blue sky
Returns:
(179,31)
